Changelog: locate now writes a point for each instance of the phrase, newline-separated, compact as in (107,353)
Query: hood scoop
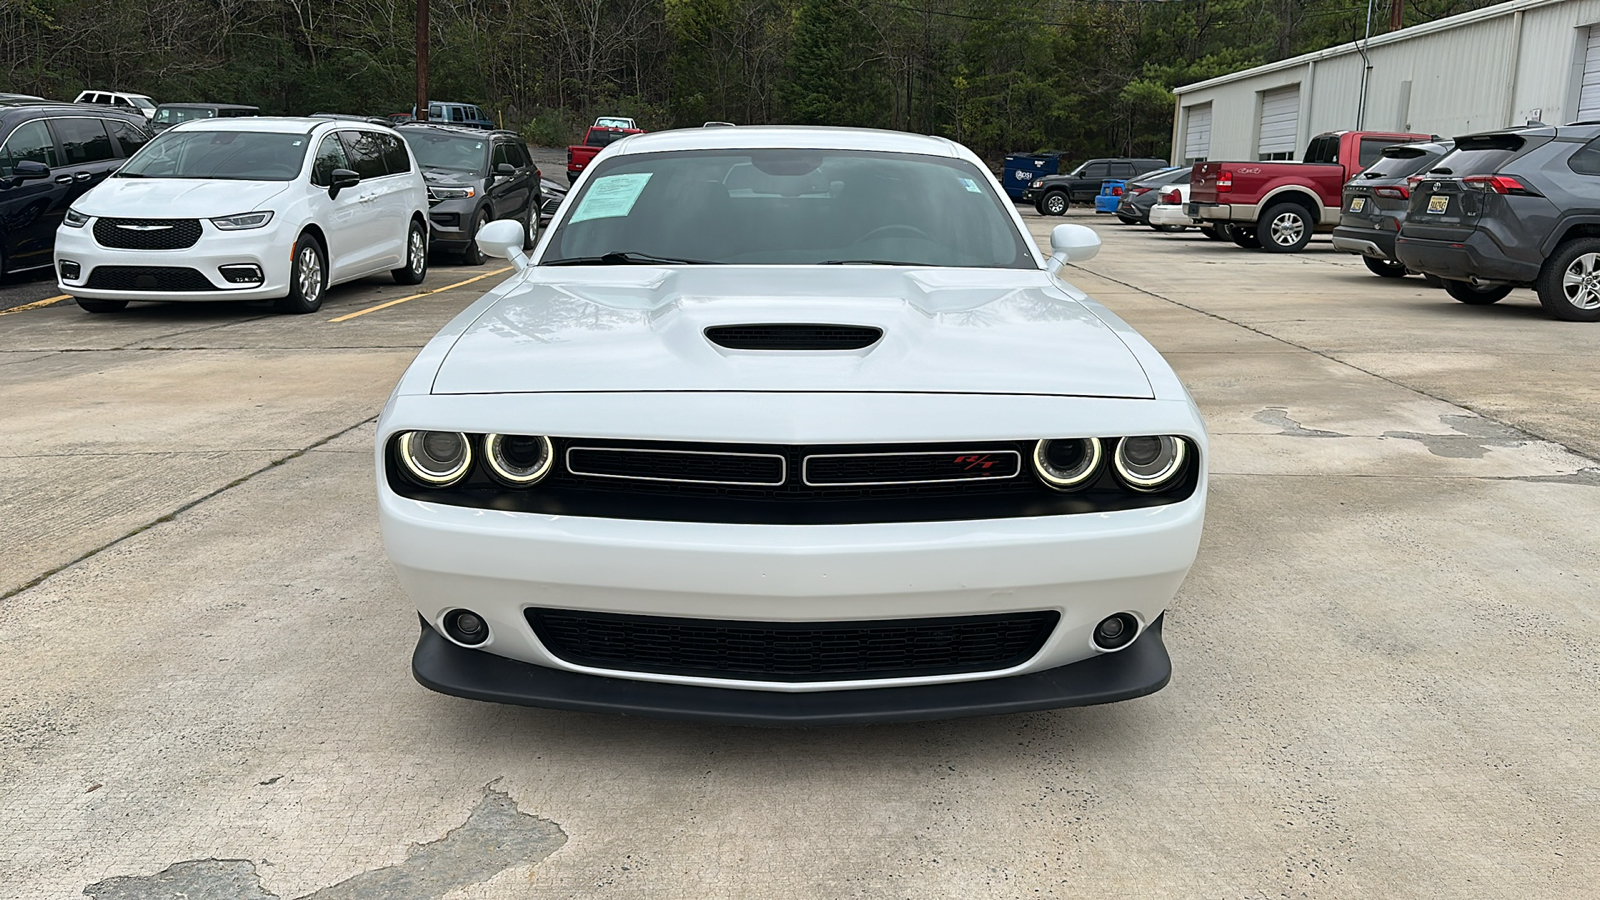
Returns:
(793,337)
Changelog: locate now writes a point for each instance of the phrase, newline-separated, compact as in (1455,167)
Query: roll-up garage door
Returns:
(1589,97)
(1197,133)
(1280,122)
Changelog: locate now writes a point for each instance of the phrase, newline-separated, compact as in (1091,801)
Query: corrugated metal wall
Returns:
(1452,81)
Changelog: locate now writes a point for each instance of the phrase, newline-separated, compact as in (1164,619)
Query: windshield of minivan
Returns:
(453,152)
(232,155)
(172,115)
(788,207)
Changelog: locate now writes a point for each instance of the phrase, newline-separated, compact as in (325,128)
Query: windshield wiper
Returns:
(129,175)
(868,262)
(629,258)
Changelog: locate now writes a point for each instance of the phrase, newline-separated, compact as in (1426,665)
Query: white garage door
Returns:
(1589,97)
(1280,122)
(1197,134)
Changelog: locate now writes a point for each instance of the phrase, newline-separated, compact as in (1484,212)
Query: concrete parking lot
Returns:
(1386,658)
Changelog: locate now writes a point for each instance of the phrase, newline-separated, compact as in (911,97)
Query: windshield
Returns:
(172,115)
(788,207)
(456,153)
(232,155)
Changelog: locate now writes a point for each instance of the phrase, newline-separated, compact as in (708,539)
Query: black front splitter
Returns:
(1143,668)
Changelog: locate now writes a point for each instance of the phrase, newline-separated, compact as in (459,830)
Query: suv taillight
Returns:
(1413,181)
(1500,184)
(1173,197)
(1398,192)
(1224,181)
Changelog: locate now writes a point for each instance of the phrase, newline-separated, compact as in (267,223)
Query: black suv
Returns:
(1375,204)
(474,177)
(1053,194)
(1513,208)
(50,155)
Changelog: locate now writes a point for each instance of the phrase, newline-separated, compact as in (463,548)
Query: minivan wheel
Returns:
(1053,203)
(101,306)
(1285,228)
(416,267)
(1467,292)
(308,278)
(1384,268)
(1244,237)
(1569,285)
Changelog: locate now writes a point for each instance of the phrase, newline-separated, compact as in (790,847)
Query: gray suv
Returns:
(1513,208)
(474,178)
(1375,205)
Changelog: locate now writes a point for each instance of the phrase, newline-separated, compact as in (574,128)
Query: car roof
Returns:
(453,129)
(272,124)
(208,106)
(117,93)
(787,137)
(57,107)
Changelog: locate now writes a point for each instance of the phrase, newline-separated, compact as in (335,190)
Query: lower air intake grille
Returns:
(793,651)
(148,278)
(793,337)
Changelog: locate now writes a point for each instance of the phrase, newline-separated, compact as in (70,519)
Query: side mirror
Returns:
(504,239)
(1072,243)
(505,170)
(27,170)
(341,179)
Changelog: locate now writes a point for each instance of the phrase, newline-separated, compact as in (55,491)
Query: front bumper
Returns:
(1141,668)
(1372,242)
(1477,256)
(269,248)
(450,224)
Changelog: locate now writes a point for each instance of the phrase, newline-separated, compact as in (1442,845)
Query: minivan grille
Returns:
(793,651)
(793,337)
(147,234)
(148,278)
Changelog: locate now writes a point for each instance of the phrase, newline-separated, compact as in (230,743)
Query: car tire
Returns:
(308,278)
(1053,203)
(1213,232)
(1127,220)
(1569,284)
(1170,229)
(1244,237)
(1432,280)
(472,255)
(1285,228)
(1384,268)
(101,306)
(416,267)
(1471,294)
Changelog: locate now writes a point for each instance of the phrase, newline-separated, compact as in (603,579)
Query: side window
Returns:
(519,156)
(478,114)
(1371,149)
(1122,170)
(120,101)
(1098,170)
(83,140)
(31,140)
(365,153)
(502,154)
(457,114)
(435,112)
(395,160)
(129,137)
(330,156)
(1587,160)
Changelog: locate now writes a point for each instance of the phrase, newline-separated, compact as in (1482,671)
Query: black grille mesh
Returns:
(793,337)
(148,278)
(910,468)
(796,652)
(147,234)
(720,468)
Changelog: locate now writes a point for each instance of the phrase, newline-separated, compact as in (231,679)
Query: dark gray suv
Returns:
(474,177)
(1375,204)
(1513,208)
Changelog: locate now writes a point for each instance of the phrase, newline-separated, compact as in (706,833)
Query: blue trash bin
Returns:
(1022,168)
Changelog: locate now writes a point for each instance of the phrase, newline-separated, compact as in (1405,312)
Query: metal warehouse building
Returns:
(1493,67)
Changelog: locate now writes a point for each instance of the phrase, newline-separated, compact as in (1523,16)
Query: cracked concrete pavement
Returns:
(1386,657)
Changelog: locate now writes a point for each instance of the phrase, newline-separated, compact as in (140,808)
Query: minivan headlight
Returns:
(75,219)
(1149,463)
(242,221)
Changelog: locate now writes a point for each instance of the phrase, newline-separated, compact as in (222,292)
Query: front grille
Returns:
(147,234)
(793,337)
(689,466)
(148,278)
(793,651)
(925,467)
(551,204)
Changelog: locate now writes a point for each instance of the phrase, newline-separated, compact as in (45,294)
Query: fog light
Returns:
(1116,632)
(70,271)
(241,274)
(436,458)
(466,627)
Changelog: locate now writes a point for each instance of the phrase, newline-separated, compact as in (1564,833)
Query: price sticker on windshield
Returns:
(1358,204)
(610,197)
(1438,203)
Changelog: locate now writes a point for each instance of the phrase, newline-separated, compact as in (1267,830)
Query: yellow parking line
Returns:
(449,287)
(37,304)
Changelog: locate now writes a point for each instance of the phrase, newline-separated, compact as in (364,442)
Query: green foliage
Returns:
(834,77)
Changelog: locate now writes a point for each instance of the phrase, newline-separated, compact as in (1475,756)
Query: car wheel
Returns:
(472,255)
(1384,268)
(1170,229)
(308,277)
(1244,237)
(416,267)
(1054,203)
(101,306)
(1467,292)
(1569,285)
(1432,281)
(1127,220)
(1285,228)
(1213,232)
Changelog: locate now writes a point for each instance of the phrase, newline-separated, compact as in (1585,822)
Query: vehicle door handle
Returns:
(63,179)
(82,176)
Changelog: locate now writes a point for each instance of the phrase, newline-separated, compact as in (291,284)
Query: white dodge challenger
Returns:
(790,426)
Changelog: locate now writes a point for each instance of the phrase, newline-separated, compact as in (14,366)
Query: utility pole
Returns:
(1366,70)
(1396,14)
(422,60)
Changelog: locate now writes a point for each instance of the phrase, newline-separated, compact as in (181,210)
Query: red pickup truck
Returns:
(579,156)
(1277,205)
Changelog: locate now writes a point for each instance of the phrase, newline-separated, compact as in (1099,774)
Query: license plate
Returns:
(1194,209)
(1438,203)
(1358,204)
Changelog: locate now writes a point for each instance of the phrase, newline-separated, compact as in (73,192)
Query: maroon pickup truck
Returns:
(579,156)
(1277,205)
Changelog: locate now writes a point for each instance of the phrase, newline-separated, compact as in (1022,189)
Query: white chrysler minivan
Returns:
(248,209)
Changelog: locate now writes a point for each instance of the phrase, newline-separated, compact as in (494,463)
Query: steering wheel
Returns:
(884,231)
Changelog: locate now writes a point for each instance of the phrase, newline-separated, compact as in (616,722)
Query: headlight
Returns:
(1038,183)
(75,219)
(242,221)
(435,458)
(442,193)
(1068,463)
(518,459)
(1149,463)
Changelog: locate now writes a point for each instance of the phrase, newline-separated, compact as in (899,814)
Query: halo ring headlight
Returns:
(1067,463)
(436,458)
(1149,463)
(517,459)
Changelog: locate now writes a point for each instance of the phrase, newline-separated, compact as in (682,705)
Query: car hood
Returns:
(450,177)
(139,198)
(626,328)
